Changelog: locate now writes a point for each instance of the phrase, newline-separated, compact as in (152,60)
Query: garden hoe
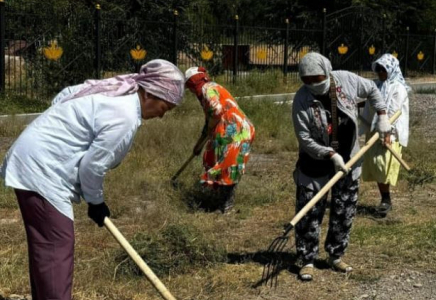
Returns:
(174,181)
(154,280)
(272,269)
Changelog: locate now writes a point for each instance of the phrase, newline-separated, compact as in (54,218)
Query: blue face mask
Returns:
(320,88)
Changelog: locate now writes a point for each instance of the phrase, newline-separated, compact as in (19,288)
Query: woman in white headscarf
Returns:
(325,142)
(379,164)
(64,154)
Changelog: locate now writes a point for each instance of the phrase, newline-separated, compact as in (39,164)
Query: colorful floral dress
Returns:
(232,134)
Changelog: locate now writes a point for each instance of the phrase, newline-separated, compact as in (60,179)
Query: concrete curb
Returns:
(279,98)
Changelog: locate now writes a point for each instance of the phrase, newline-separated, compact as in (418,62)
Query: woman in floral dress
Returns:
(229,134)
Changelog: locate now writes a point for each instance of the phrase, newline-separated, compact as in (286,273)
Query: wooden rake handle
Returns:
(398,157)
(187,162)
(389,147)
(337,176)
(154,280)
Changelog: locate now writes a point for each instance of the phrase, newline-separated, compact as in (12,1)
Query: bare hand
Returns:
(387,139)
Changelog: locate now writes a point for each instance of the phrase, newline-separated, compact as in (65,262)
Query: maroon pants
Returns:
(50,238)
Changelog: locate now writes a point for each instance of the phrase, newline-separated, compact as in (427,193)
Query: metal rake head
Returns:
(272,269)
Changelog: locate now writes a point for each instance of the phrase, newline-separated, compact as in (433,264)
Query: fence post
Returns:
(383,45)
(235,48)
(361,42)
(434,54)
(407,51)
(285,53)
(2,46)
(97,62)
(174,54)
(324,31)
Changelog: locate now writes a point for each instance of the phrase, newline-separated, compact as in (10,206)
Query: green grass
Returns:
(256,83)
(12,104)
(426,91)
(176,249)
(189,248)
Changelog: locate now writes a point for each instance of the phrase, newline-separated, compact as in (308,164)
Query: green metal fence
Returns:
(45,49)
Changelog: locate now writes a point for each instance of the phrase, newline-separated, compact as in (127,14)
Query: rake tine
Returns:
(270,250)
(271,269)
(278,262)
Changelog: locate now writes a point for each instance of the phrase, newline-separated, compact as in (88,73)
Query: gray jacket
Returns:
(311,127)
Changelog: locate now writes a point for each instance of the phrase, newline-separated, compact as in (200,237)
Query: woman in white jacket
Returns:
(65,154)
(379,164)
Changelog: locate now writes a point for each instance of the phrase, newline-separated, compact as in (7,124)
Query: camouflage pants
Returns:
(342,212)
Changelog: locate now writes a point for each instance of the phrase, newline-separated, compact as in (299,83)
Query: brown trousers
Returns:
(50,239)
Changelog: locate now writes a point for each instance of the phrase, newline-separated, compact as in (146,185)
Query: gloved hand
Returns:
(338,161)
(97,212)
(383,126)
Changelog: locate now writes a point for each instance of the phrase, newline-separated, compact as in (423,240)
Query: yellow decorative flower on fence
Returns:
(206,54)
(395,54)
(420,55)
(303,52)
(261,54)
(138,53)
(342,49)
(53,51)
(371,50)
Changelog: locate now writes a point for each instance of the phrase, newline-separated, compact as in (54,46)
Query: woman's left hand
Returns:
(97,212)
(387,139)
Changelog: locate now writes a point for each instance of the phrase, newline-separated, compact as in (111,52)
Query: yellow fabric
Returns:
(380,165)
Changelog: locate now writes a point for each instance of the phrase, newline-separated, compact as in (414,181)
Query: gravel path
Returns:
(423,115)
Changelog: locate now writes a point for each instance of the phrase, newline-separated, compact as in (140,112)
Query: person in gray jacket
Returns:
(325,114)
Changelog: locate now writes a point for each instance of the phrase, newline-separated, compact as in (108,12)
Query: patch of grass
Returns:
(430,90)
(16,104)
(398,240)
(365,277)
(262,83)
(421,152)
(274,130)
(187,247)
(176,249)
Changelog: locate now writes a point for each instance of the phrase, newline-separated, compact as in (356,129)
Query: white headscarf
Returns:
(392,67)
(314,64)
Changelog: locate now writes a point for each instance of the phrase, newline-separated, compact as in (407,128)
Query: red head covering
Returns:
(196,77)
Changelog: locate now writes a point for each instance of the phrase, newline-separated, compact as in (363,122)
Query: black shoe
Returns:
(227,199)
(383,209)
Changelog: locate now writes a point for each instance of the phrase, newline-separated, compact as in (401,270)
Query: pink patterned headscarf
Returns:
(158,77)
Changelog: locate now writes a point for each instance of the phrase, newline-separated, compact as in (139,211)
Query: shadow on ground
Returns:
(367,211)
(274,263)
(201,198)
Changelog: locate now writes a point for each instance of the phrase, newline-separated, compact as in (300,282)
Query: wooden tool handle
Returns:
(187,162)
(154,280)
(398,157)
(339,174)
